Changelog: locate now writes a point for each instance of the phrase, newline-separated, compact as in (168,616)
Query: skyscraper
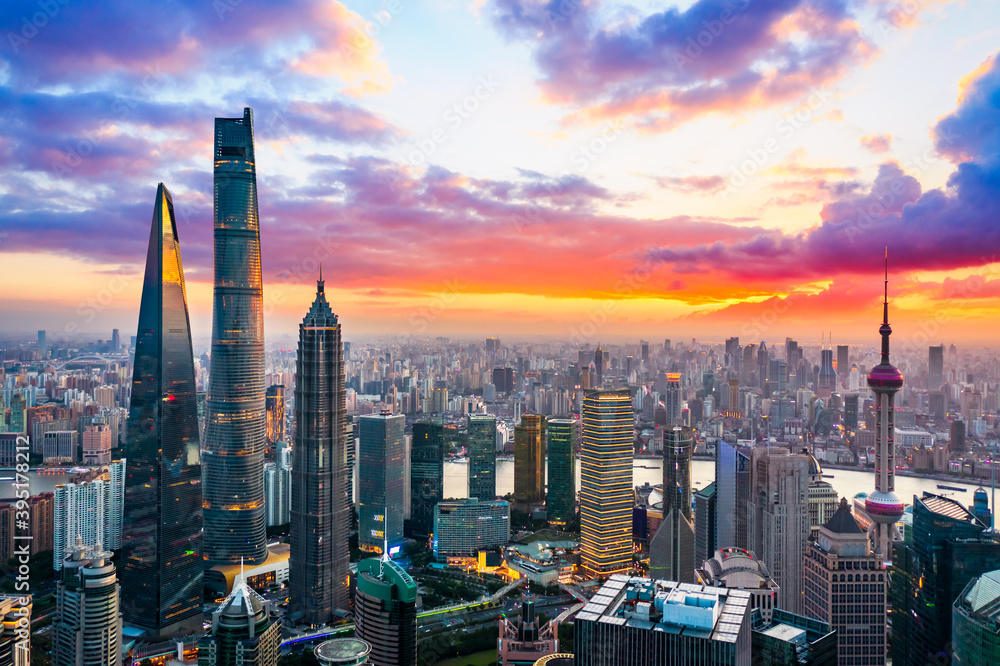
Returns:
(244,631)
(705,522)
(483,457)
(233,464)
(385,612)
(116,343)
(671,550)
(884,506)
(529,462)
(843,361)
(87,630)
(562,436)
(161,549)
(935,367)
(975,616)
(426,475)
(732,495)
(606,483)
(826,382)
(381,457)
(673,398)
(91,510)
(320,511)
(274,405)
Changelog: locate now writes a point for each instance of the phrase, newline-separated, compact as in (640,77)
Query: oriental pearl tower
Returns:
(884,506)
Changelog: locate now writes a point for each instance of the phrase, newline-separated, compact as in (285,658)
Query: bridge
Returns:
(92,359)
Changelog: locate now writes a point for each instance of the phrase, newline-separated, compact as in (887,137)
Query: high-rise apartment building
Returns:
(975,618)
(385,612)
(233,458)
(274,409)
(92,511)
(845,586)
(320,511)
(426,475)
(381,461)
(671,550)
(161,557)
(606,483)
(483,457)
(779,518)
(87,630)
(935,367)
(529,462)
(245,631)
(562,436)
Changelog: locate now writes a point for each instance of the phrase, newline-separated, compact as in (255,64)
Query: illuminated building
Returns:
(15,648)
(529,462)
(483,457)
(233,457)
(884,506)
(385,612)
(161,557)
(606,483)
(381,464)
(321,511)
(739,569)
(245,632)
(975,622)
(845,586)
(87,629)
(522,642)
(673,399)
(671,550)
(562,437)
(274,406)
(426,475)
(463,527)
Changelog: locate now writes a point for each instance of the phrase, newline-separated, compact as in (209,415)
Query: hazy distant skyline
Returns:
(510,168)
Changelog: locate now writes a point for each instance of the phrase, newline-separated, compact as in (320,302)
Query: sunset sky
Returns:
(586,169)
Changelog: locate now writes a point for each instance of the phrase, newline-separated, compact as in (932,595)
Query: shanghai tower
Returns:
(234,435)
(320,511)
(161,551)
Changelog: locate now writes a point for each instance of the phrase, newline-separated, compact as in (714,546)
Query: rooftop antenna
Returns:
(385,543)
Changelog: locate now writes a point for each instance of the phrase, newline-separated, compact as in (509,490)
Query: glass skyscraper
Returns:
(161,550)
(529,462)
(320,508)
(606,483)
(426,475)
(381,462)
(385,611)
(483,457)
(562,439)
(235,434)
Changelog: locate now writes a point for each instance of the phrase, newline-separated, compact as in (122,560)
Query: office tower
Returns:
(851,412)
(599,366)
(673,399)
(956,440)
(884,506)
(947,548)
(385,612)
(92,510)
(41,339)
(245,631)
(779,518)
(975,617)
(59,446)
(15,637)
(320,510)
(732,495)
(463,527)
(671,550)
(380,481)
(483,457)
(562,436)
(606,483)
(792,640)
(274,409)
(233,463)
(739,569)
(843,361)
(161,557)
(529,462)
(116,342)
(278,493)
(763,363)
(935,367)
(503,379)
(87,630)
(705,523)
(644,621)
(826,381)
(523,641)
(97,444)
(644,351)
(845,586)
(426,475)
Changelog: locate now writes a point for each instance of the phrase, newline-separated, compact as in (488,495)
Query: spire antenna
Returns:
(885,296)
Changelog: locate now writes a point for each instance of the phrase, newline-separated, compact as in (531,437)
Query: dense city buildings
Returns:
(233,456)
(482,457)
(562,436)
(161,540)
(845,586)
(245,631)
(381,462)
(644,621)
(606,483)
(529,462)
(87,628)
(671,550)
(461,528)
(975,624)
(426,475)
(320,511)
(385,612)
